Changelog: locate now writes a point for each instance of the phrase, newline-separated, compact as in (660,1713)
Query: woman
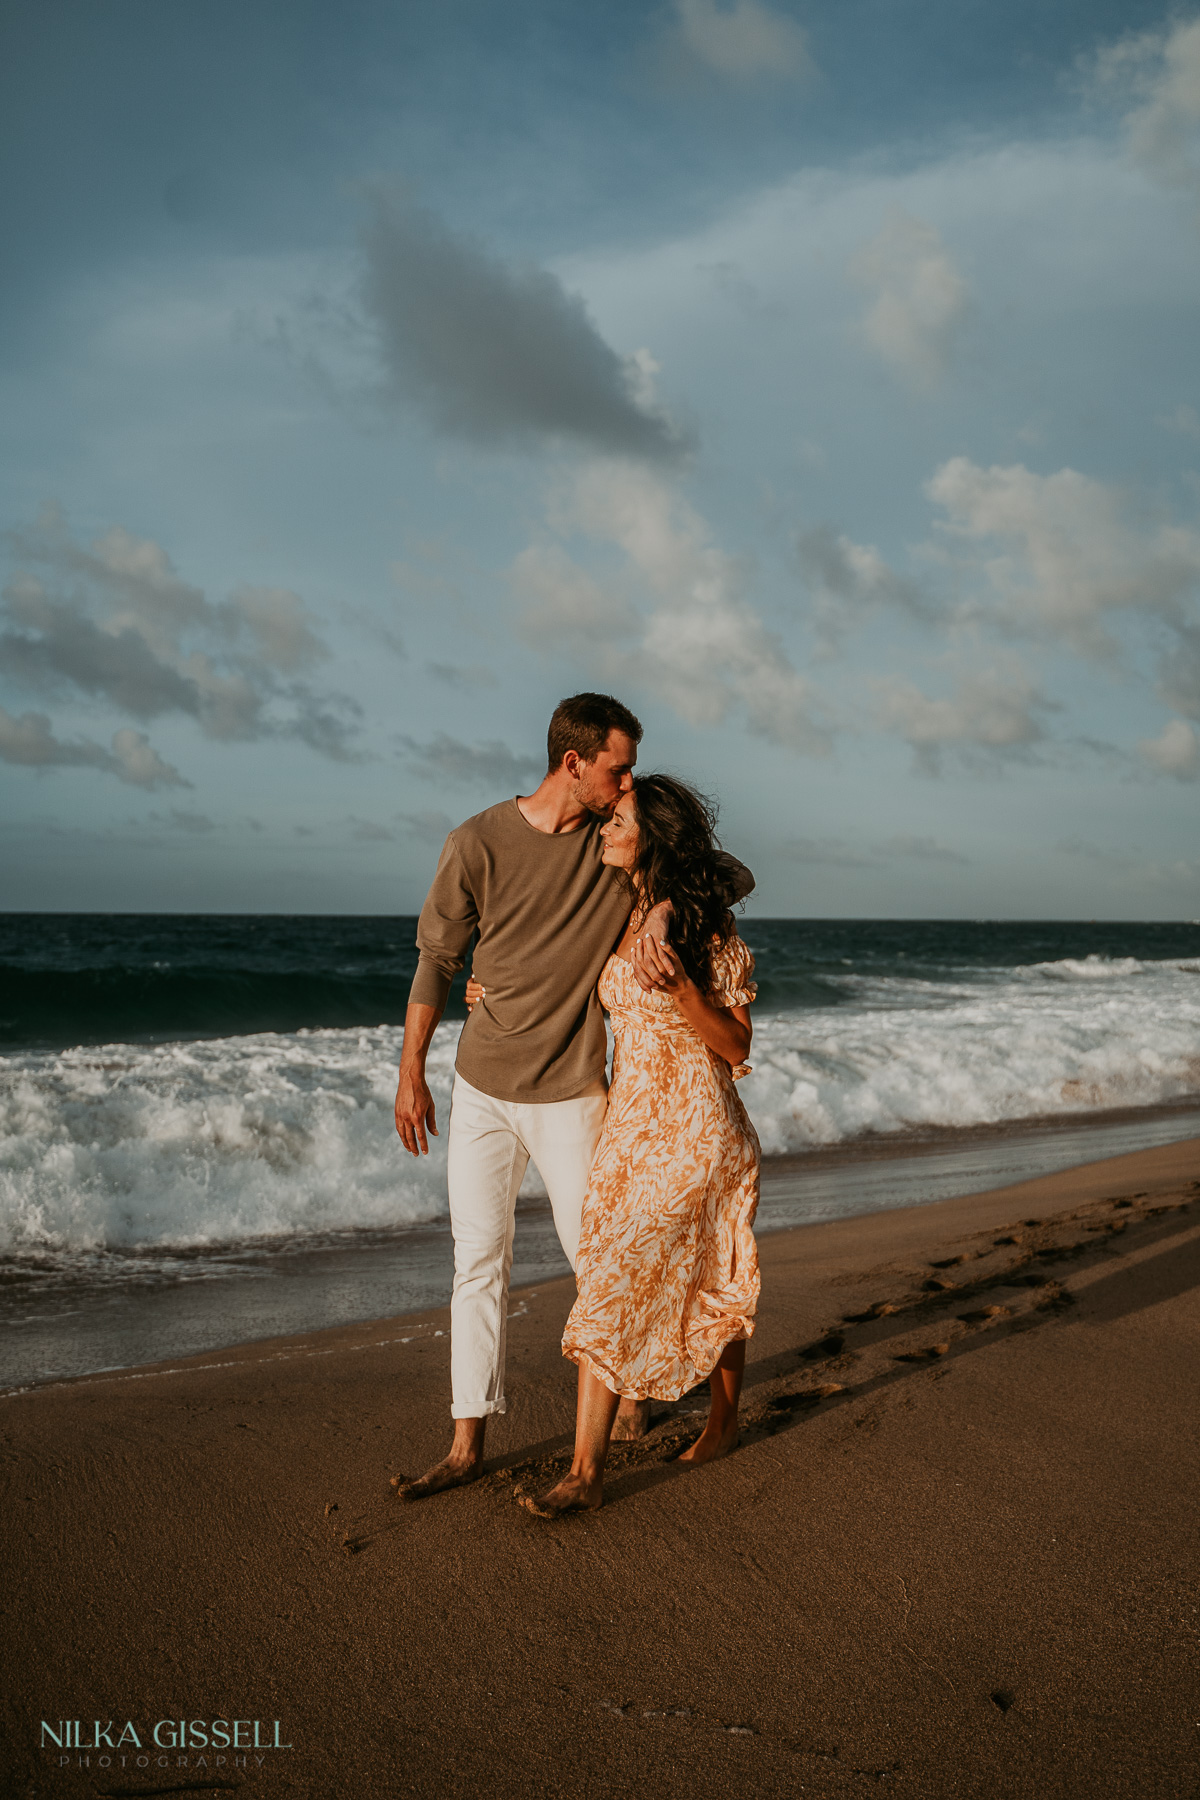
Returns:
(667,1270)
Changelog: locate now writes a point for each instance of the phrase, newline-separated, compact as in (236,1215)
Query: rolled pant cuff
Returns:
(477,1409)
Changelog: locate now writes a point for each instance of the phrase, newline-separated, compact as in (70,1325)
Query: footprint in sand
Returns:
(880,1310)
(832,1344)
(938,1284)
(950,1262)
(984,1312)
(785,1403)
(926,1355)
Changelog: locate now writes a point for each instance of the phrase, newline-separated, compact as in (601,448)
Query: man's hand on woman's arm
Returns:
(725,1029)
(414,1102)
(656,926)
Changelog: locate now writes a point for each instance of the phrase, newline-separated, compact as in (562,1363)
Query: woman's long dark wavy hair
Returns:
(678,859)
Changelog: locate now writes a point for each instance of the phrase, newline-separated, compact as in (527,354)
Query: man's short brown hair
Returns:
(582,723)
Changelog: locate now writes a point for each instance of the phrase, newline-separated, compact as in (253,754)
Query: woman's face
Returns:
(621,835)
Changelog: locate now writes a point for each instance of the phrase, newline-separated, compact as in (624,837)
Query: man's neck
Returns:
(553,808)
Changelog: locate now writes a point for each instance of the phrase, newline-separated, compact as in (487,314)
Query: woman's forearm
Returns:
(720,1026)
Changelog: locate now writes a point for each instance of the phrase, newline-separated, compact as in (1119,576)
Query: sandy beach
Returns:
(954,1555)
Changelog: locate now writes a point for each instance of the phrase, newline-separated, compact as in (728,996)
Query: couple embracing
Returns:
(601,891)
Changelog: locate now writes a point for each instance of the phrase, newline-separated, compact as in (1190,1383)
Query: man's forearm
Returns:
(415,1112)
(420,1023)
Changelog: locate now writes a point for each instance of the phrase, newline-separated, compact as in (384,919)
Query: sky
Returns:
(820,378)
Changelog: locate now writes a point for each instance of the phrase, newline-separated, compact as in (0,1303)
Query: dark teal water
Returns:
(92,978)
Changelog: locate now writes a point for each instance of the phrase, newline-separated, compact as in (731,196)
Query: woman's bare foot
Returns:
(711,1444)
(632,1421)
(572,1494)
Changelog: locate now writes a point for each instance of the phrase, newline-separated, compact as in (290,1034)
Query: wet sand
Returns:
(955,1554)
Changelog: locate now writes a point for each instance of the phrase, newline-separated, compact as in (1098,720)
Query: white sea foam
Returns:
(202,1143)
(1090,968)
(1031,1041)
(291,1136)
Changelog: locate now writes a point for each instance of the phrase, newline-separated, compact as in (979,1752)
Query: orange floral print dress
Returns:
(667,1267)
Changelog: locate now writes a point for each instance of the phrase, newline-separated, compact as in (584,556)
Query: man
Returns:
(530,1071)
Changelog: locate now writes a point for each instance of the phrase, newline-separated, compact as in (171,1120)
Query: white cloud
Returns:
(134,759)
(279,622)
(114,621)
(1175,751)
(560,601)
(1160,71)
(29,741)
(702,645)
(919,297)
(847,580)
(1060,558)
(742,40)
(1055,554)
(996,710)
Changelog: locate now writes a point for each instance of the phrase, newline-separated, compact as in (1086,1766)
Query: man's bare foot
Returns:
(451,1472)
(632,1421)
(571,1494)
(710,1445)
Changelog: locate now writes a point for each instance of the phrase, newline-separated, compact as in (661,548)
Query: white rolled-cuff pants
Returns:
(490,1147)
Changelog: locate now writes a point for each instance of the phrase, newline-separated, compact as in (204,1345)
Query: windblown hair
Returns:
(582,723)
(678,859)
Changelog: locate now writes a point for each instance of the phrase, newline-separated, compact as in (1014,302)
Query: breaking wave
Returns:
(288,1136)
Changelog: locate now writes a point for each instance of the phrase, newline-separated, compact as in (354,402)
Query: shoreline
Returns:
(920,1140)
(953,1554)
(79,1330)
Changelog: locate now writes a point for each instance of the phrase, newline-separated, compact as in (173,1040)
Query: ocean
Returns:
(204,1103)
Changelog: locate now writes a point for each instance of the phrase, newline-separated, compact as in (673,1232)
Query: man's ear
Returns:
(571,763)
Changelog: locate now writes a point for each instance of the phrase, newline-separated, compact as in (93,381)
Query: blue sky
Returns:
(822,379)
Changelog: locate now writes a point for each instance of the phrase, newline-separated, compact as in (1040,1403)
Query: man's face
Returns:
(600,784)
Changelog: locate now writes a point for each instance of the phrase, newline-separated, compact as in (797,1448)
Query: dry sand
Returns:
(969,1569)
